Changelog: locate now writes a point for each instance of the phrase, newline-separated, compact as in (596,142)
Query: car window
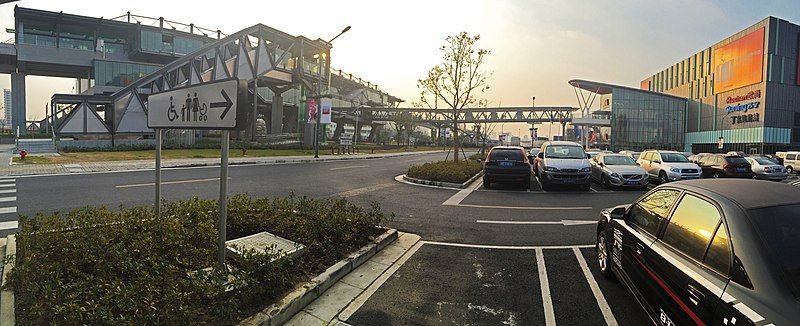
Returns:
(764,161)
(506,155)
(691,227)
(673,157)
(718,256)
(565,151)
(618,160)
(791,157)
(655,157)
(646,156)
(736,160)
(779,228)
(649,212)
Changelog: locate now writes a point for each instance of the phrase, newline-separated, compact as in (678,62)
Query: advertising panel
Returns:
(645,85)
(311,106)
(326,111)
(739,63)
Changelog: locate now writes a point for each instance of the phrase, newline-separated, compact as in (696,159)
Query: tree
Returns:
(402,122)
(457,80)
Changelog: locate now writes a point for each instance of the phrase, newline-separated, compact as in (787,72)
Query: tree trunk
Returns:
(455,142)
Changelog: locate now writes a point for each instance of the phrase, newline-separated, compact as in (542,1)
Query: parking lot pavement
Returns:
(443,284)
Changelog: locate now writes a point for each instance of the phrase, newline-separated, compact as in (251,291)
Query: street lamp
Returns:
(319,91)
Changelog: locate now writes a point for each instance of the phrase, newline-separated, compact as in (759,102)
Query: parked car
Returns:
(632,154)
(666,166)
(592,153)
(780,156)
(562,162)
(792,162)
(507,164)
(766,169)
(617,170)
(737,153)
(686,154)
(775,158)
(714,252)
(725,166)
(532,154)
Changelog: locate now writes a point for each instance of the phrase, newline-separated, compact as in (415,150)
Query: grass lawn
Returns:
(77,157)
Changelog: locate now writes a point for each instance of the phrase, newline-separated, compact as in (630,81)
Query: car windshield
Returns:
(565,151)
(779,227)
(736,160)
(618,160)
(674,158)
(506,155)
(764,161)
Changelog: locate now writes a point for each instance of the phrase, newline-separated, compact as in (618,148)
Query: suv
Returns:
(562,162)
(507,164)
(792,162)
(668,166)
(722,165)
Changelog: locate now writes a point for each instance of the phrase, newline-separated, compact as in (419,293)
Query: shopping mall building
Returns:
(743,91)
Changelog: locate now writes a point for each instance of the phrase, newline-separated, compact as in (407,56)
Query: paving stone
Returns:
(333,301)
(406,240)
(388,255)
(305,319)
(365,274)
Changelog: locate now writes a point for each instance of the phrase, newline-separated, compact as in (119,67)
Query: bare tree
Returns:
(402,121)
(457,80)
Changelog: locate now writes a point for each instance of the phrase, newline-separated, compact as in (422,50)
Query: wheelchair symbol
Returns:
(172,114)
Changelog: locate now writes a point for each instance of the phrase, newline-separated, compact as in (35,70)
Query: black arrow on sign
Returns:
(227,104)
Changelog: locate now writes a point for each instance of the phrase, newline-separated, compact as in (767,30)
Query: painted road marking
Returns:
(522,207)
(349,167)
(598,295)
(8,210)
(9,225)
(8,191)
(7,199)
(479,246)
(168,182)
(362,190)
(547,299)
(562,222)
(10,185)
(400,179)
(8,180)
(456,199)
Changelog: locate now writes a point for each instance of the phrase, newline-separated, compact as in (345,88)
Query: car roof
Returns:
(508,147)
(747,193)
(561,142)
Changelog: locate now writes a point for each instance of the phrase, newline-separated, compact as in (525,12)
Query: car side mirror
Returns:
(588,155)
(540,155)
(618,213)
(601,164)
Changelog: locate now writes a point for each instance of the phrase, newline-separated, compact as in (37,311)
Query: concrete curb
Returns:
(444,184)
(7,315)
(294,302)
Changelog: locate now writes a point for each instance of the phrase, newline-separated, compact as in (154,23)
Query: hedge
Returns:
(445,171)
(101,266)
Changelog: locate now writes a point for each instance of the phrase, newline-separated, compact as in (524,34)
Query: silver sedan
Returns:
(618,170)
(766,169)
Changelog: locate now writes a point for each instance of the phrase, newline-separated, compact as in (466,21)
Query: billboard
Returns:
(739,63)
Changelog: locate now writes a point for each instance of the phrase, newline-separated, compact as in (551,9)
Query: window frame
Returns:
(661,224)
(722,222)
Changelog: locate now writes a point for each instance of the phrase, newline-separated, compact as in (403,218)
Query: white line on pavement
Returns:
(8,191)
(400,179)
(349,167)
(547,299)
(10,185)
(478,246)
(362,190)
(362,298)
(9,225)
(8,210)
(456,199)
(168,182)
(562,222)
(8,180)
(7,199)
(598,295)
(523,207)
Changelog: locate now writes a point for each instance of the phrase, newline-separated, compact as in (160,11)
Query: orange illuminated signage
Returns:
(645,85)
(739,63)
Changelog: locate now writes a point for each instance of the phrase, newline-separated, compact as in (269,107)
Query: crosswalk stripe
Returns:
(10,185)
(8,180)
(8,210)
(9,225)
(7,199)
(8,191)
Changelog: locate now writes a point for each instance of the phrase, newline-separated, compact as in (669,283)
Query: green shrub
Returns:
(445,171)
(98,266)
(477,157)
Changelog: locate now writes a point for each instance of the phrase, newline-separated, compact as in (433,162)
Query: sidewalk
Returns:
(43,169)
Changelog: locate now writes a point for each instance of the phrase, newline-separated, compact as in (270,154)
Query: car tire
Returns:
(716,175)
(789,169)
(545,185)
(586,187)
(755,176)
(603,255)
(604,182)
(486,183)
(662,177)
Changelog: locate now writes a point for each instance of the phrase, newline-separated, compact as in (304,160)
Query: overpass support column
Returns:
(372,132)
(358,132)
(276,119)
(18,112)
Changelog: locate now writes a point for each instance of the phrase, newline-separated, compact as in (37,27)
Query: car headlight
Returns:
(615,175)
(676,170)
(551,169)
(587,169)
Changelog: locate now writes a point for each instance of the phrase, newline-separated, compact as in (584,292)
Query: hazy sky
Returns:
(537,46)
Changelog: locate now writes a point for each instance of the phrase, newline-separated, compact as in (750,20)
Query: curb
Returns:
(297,300)
(7,315)
(444,184)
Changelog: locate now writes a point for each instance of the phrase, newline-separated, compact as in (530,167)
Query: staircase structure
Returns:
(36,146)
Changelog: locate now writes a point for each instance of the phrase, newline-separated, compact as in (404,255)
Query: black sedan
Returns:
(507,164)
(721,252)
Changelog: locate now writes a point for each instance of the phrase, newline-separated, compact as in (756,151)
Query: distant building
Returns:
(7,106)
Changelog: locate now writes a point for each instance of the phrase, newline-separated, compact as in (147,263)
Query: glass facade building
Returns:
(120,74)
(644,120)
(163,42)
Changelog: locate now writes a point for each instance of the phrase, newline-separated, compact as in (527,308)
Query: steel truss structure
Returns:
(472,115)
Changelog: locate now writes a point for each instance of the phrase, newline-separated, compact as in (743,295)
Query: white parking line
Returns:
(8,210)
(479,246)
(9,225)
(547,299)
(562,222)
(456,199)
(524,207)
(167,183)
(598,295)
(8,191)
(349,167)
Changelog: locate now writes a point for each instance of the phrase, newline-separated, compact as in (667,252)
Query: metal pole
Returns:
(223,200)
(255,111)
(358,115)
(317,127)
(158,172)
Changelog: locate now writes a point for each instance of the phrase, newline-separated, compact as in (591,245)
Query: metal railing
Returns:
(163,23)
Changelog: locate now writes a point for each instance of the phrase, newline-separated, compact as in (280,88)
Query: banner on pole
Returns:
(311,107)
(326,105)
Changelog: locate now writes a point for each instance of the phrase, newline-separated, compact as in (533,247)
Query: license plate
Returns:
(632,183)
(569,181)
(506,163)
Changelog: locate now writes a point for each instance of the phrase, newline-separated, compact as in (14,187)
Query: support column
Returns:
(339,129)
(372,131)
(276,120)
(18,112)
(358,131)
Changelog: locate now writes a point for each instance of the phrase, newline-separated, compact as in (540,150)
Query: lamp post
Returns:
(319,91)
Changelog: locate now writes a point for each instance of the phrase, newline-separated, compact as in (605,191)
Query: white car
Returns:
(766,169)
(668,166)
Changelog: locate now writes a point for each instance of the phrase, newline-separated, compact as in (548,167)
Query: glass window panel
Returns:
(692,226)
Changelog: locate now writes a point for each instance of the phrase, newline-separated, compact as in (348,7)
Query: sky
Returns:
(537,46)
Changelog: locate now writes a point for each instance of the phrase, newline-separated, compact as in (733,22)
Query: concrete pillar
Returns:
(18,112)
(276,121)
(337,134)
(372,131)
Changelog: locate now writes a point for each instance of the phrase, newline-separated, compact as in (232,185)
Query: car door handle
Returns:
(639,249)
(695,296)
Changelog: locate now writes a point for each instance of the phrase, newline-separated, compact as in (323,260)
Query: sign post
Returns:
(209,106)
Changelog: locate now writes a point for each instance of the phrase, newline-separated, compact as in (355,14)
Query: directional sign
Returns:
(346,139)
(204,106)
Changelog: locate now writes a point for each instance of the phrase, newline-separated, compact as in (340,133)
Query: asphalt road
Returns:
(491,256)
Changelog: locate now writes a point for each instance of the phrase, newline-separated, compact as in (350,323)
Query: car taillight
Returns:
(767,169)
(726,167)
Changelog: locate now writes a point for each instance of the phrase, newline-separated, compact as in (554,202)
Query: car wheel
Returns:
(662,177)
(486,183)
(586,187)
(755,176)
(604,182)
(789,169)
(603,260)
(545,185)
(716,175)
